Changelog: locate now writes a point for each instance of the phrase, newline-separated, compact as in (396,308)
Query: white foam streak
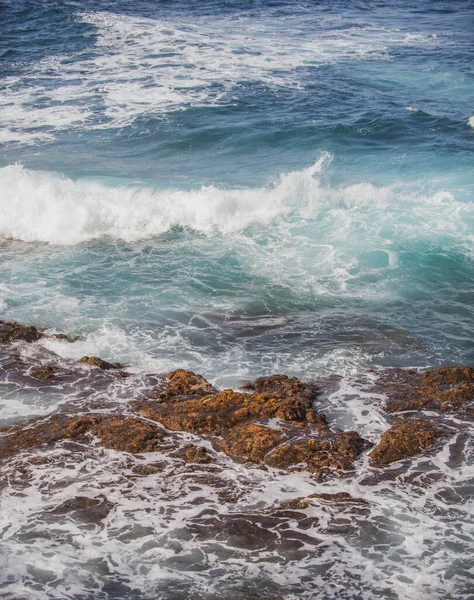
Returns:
(143,66)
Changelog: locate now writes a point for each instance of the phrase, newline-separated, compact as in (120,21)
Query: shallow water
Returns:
(237,188)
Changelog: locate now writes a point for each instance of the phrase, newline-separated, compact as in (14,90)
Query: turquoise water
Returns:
(156,164)
(242,188)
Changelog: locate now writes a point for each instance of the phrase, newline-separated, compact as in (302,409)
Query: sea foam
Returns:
(48,207)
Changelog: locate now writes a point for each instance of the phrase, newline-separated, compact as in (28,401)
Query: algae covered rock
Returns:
(11,331)
(407,438)
(117,432)
(185,383)
(276,425)
(95,361)
(445,389)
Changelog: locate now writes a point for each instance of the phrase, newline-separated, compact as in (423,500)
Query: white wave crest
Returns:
(45,207)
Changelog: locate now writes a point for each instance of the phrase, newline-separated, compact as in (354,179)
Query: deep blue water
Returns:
(240,187)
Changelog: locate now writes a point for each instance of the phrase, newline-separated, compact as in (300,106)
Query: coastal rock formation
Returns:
(184,383)
(445,389)
(95,361)
(11,331)
(117,432)
(282,386)
(276,425)
(407,438)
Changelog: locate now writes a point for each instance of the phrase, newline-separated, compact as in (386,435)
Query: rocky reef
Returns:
(273,422)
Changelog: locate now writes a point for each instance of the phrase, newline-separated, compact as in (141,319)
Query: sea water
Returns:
(239,188)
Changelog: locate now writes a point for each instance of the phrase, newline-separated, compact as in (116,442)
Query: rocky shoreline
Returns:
(273,422)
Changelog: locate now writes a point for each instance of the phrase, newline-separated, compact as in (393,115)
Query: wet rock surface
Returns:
(95,361)
(11,331)
(445,389)
(184,383)
(407,438)
(127,434)
(83,508)
(277,425)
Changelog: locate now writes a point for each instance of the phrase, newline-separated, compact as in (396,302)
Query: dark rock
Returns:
(407,438)
(11,331)
(89,510)
(445,389)
(46,373)
(66,338)
(95,361)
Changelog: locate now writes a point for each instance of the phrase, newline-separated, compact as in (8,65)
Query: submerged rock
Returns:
(407,438)
(45,373)
(85,509)
(445,389)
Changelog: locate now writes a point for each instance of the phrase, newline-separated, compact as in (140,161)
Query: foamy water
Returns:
(237,189)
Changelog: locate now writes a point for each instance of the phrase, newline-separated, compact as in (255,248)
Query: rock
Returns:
(193,454)
(46,373)
(11,331)
(117,432)
(282,386)
(47,432)
(89,510)
(281,431)
(214,414)
(321,454)
(66,338)
(185,383)
(407,438)
(95,361)
(445,389)
(250,441)
(339,498)
(128,434)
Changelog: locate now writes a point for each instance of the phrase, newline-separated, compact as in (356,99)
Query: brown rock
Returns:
(47,432)
(297,437)
(407,438)
(282,386)
(327,451)
(46,373)
(186,383)
(193,454)
(95,361)
(250,441)
(11,331)
(214,414)
(445,389)
(127,434)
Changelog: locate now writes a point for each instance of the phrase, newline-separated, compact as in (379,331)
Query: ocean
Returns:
(238,188)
